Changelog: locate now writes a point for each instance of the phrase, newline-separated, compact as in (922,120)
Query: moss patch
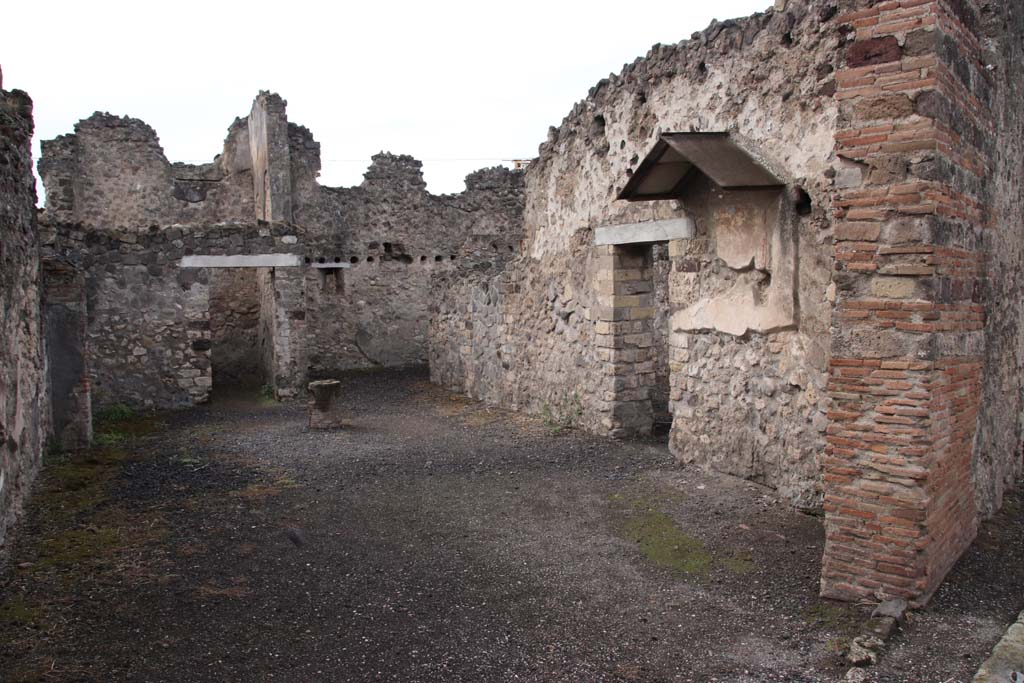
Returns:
(740,563)
(80,482)
(74,501)
(834,616)
(74,483)
(78,546)
(118,425)
(662,542)
(17,611)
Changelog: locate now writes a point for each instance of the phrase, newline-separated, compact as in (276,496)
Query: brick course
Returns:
(899,501)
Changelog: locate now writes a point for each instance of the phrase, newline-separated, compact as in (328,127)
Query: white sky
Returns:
(459,85)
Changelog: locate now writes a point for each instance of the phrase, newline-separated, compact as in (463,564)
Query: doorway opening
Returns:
(660,268)
(235,353)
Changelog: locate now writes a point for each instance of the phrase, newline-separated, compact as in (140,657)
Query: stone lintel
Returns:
(648,232)
(242,261)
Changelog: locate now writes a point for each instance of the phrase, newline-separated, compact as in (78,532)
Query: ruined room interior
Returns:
(727,384)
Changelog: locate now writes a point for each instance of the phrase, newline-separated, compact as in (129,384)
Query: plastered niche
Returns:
(752,240)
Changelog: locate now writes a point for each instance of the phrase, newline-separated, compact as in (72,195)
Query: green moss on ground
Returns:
(18,611)
(77,547)
(664,543)
(79,482)
(740,563)
(834,616)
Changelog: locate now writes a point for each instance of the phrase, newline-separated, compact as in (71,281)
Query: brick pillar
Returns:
(907,321)
(625,338)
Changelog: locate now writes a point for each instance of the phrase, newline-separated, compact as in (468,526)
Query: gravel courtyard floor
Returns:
(437,539)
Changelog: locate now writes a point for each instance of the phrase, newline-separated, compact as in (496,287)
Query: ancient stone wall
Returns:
(111,174)
(396,237)
(999,449)
(265,330)
(149,331)
(271,168)
(896,129)
(23,399)
(357,297)
(572,331)
(523,338)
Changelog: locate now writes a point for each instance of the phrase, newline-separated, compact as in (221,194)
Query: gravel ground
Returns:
(436,539)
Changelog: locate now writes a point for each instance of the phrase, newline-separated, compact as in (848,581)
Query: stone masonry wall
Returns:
(396,237)
(544,335)
(265,330)
(111,174)
(523,338)
(161,335)
(999,449)
(23,400)
(149,320)
(912,200)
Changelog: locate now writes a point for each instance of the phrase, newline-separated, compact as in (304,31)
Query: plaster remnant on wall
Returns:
(752,236)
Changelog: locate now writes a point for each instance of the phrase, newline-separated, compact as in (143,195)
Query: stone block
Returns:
(324,411)
(873,51)
(894,287)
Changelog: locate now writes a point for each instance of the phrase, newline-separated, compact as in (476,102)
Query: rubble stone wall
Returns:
(111,175)
(265,330)
(161,335)
(149,330)
(540,336)
(523,338)
(23,400)
(896,389)
(396,237)
(999,449)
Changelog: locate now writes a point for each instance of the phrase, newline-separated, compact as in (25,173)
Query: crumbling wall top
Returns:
(399,172)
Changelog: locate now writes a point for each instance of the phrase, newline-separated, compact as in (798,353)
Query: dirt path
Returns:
(438,540)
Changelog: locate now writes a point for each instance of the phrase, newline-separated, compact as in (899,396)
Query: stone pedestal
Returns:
(324,413)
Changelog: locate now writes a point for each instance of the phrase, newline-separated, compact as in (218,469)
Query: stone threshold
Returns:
(1006,665)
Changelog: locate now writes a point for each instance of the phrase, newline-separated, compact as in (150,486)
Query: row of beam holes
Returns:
(404,258)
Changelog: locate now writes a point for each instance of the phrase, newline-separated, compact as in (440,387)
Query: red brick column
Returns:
(908,319)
